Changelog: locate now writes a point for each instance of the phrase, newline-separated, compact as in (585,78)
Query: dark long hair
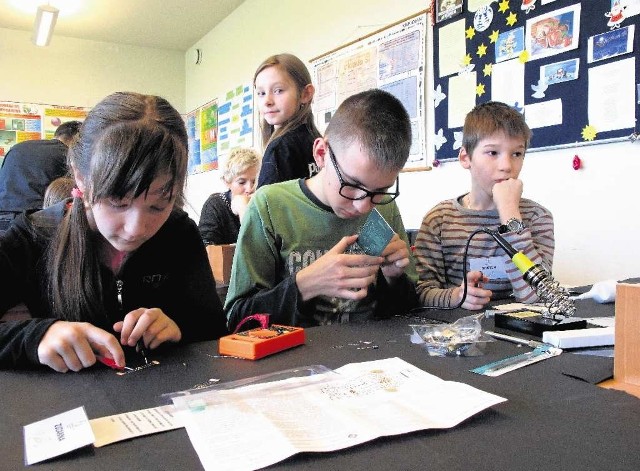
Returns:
(127,140)
(299,73)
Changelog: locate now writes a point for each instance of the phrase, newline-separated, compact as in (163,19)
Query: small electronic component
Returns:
(260,342)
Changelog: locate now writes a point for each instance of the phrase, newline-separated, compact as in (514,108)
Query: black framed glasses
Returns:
(356,192)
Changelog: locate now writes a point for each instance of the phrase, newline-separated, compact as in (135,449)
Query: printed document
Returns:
(255,426)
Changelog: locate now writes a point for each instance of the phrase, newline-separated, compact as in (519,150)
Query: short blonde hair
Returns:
(240,159)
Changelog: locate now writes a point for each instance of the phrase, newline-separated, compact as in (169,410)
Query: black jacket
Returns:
(218,225)
(27,170)
(288,157)
(170,271)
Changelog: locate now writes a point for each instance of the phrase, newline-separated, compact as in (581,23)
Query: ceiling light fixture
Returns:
(43,26)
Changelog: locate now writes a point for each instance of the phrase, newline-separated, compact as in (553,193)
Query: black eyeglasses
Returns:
(355,192)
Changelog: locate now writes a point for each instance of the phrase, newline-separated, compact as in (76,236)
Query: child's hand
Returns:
(74,345)
(506,196)
(477,296)
(396,258)
(239,204)
(153,326)
(339,274)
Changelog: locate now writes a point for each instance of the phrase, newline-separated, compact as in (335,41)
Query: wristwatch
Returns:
(513,225)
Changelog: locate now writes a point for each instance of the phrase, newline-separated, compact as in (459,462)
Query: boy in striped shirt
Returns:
(495,138)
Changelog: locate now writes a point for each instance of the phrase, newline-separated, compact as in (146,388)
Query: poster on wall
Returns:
(235,120)
(208,132)
(192,122)
(27,121)
(54,116)
(392,59)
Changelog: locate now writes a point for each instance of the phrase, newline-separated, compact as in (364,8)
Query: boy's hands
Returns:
(153,326)
(477,296)
(396,258)
(339,274)
(74,345)
(506,196)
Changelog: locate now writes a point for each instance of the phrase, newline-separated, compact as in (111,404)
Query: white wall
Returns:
(76,72)
(595,209)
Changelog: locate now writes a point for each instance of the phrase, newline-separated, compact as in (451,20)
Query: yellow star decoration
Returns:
(523,57)
(466,60)
(480,89)
(512,19)
(482,50)
(589,133)
(470,32)
(503,6)
(493,37)
(487,69)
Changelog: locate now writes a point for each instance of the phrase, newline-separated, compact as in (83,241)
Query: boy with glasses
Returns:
(297,258)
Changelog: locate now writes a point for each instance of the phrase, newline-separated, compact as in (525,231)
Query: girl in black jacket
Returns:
(120,264)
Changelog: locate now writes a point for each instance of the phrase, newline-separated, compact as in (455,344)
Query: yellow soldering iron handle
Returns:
(523,263)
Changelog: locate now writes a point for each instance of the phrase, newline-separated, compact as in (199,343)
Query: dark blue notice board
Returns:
(602,20)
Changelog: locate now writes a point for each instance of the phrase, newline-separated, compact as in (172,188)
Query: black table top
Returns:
(551,419)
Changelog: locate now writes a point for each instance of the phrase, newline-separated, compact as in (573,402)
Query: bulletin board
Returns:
(392,59)
(571,67)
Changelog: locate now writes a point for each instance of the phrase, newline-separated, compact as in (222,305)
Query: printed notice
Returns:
(57,435)
(323,412)
(115,428)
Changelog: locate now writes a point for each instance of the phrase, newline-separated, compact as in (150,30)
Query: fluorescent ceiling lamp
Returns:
(43,27)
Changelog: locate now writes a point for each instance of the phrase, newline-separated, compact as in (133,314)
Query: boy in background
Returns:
(297,257)
(495,138)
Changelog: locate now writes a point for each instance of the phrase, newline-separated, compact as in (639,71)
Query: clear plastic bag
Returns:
(464,337)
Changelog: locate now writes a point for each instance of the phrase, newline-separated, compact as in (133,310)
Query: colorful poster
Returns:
(54,116)
(208,137)
(235,120)
(192,122)
(26,121)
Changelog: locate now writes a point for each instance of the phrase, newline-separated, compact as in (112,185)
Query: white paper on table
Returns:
(56,435)
(602,321)
(259,425)
(115,428)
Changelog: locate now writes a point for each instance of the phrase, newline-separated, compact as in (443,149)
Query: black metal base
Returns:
(536,325)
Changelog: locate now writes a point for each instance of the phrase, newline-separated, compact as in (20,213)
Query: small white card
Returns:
(491,267)
(115,428)
(57,435)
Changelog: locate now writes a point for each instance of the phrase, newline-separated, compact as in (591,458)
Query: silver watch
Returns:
(512,225)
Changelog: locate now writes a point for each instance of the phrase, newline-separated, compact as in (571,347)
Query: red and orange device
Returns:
(260,342)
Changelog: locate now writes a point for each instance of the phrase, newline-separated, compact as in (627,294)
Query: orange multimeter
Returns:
(260,342)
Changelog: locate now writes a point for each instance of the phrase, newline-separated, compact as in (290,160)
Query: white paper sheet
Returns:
(612,95)
(258,425)
(452,48)
(546,113)
(57,435)
(507,82)
(115,428)
(462,98)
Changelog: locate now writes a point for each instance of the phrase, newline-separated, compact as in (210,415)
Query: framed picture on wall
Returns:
(553,33)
